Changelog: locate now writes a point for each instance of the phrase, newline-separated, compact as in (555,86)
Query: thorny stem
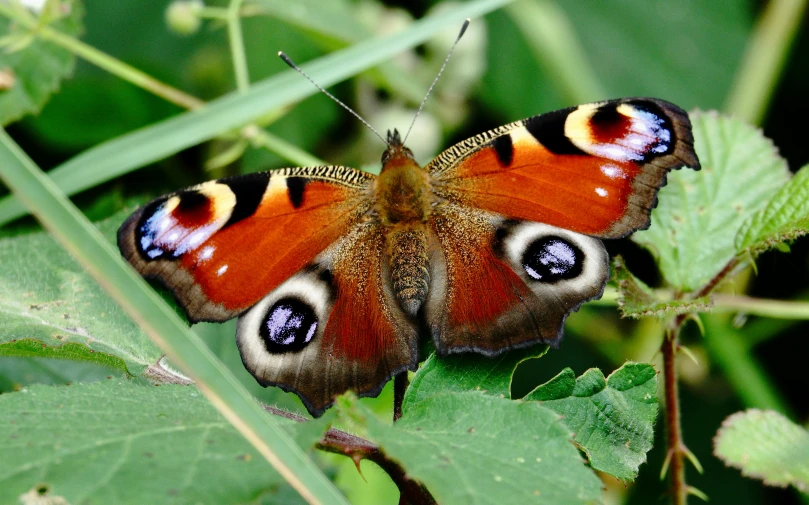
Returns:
(356,448)
(677,450)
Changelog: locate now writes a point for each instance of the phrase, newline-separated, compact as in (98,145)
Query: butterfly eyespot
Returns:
(288,326)
(175,225)
(552,258)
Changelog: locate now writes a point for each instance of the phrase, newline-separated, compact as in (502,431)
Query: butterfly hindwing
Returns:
(503,284)
(331,327)
(221,246)
(594,169)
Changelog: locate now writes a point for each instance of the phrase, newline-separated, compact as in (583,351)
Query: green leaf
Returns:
(765,445)
(467,372)
(785,218)
(52,308)
(85,443)
(613,419)
(475,449)
(34,71)
(695,224)
(147,145)
(16,373)
(636,299)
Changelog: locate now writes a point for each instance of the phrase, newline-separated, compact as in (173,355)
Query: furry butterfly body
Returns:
(334,273)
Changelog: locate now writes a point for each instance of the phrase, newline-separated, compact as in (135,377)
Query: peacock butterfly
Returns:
(334,272)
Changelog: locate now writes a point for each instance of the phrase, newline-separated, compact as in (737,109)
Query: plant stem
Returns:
(676,451)
(677,448)
(356,448)
(764,59)
(778,309)
(221,13)
(400,383)
(237,46)
(106,62)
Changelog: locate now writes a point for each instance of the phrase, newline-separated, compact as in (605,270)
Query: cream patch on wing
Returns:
(521,137)
(577,126)
(619,132)
(276,187)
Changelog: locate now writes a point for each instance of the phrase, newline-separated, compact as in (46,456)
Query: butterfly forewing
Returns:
(594,169)
(221,246)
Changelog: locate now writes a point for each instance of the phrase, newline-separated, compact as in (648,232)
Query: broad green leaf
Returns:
(785,218)
(52,308)
(613,419)
(16,373)
(31,69)
(147,145)
(475,449)
(467,372)
(87,442)
(698,215)
(636,299)
(765,445)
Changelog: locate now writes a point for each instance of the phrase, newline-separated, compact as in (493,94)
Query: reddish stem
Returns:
(677,449)
(676,452)
(339,442)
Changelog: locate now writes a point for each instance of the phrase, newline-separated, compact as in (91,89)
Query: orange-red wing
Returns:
(594,169)
(223,245)
(500,284)
(332,327)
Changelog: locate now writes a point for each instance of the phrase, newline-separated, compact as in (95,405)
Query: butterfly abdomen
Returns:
(409,268)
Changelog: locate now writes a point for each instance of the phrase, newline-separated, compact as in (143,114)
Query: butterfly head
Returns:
(396,150)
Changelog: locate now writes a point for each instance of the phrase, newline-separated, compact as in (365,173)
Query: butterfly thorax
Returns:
(403,190)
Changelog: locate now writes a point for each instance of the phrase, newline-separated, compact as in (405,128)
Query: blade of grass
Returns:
(67,224)
(556,48)
(152,143)
(764,59)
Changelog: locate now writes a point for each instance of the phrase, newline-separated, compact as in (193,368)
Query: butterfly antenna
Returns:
(292,64)
(443,66)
